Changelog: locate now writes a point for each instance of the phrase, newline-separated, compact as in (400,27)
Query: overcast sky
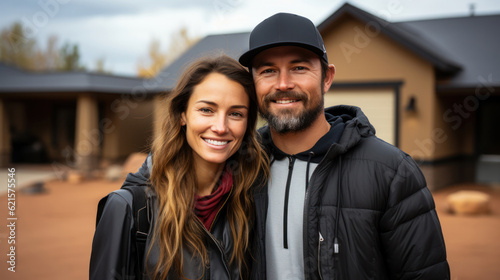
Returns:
(120,31)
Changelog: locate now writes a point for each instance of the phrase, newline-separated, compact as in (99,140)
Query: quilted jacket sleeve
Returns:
(111,248)
(411,233)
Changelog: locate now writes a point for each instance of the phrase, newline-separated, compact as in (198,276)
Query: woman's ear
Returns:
(183,119)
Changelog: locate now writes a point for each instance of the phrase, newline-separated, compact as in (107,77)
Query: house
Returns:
(72,120)
(430,87)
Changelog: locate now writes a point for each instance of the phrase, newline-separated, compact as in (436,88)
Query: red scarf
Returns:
(207,207)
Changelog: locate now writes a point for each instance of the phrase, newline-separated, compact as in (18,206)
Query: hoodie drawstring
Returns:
(291,161)
(311,154)
(339,207)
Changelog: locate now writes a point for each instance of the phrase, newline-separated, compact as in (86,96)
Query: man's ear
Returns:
(329,78)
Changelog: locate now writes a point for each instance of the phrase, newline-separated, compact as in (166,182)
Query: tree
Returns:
(157,60)
(70,58)
(48,59)
(19,49)
(100,68)
(16,48)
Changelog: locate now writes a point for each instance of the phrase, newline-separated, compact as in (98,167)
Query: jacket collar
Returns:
(348,125)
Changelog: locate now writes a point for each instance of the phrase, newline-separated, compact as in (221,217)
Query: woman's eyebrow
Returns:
(207,102)
(239,107)
(215,104)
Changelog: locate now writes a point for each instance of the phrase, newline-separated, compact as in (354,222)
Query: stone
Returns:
(74,177)
(113,172)
(469,202)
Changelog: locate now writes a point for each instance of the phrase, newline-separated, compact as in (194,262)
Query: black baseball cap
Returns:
(284,29)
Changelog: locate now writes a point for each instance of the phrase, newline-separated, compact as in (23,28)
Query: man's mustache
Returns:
(285,94)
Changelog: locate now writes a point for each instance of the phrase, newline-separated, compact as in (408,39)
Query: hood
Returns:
(357,125)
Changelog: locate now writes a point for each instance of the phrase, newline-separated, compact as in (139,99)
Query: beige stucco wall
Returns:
(361,53)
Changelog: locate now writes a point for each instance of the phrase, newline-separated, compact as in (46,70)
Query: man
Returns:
(341,203)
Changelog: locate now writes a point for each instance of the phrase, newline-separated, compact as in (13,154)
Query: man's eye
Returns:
(267,71)
(300,68)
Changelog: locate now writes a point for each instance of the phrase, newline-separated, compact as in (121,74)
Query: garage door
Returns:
(379,105)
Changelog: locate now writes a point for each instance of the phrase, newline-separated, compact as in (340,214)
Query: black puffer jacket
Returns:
(113,250)
(384,218)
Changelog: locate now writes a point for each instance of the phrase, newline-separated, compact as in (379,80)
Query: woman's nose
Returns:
(220,125)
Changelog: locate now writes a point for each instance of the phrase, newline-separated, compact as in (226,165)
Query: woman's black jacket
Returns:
(114,253)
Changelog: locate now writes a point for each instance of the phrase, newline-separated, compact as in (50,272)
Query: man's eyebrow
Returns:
(263,64)
(295,61)
(301,60)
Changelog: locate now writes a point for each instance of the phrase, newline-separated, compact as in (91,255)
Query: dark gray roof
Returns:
(13,80)
(232,45)
(473,42)
(8,70)
(413,41)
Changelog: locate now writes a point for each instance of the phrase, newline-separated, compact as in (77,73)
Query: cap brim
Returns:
(247,57)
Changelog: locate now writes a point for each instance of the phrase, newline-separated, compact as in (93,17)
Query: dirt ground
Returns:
(54,230)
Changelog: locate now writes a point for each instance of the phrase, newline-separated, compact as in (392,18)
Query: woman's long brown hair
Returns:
(173,177)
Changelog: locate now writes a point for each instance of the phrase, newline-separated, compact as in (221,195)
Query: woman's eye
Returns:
(236,114)
(205,110)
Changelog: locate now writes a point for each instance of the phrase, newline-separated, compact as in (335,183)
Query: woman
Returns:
(204,163)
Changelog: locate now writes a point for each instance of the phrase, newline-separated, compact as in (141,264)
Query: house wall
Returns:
(127,128)
(37,128)
(74,131)
(459,126)
(4,135)
(362,54)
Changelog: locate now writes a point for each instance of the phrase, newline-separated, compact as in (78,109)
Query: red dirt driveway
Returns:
(53,233)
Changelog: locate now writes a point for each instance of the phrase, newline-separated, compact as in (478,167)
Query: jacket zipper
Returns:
(219,246)
(291,161)
(218,211)
(306,212)
(217,243)
(321,239)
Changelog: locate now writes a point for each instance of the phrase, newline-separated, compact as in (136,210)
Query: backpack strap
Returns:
(141,214)
(140,207)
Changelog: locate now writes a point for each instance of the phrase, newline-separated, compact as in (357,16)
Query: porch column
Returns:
(4,135)
(87,135)
(111,135)
(158,111)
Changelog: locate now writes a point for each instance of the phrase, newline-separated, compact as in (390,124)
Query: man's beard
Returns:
(286,121)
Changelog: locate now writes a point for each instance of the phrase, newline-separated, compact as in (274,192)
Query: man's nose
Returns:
(285,82)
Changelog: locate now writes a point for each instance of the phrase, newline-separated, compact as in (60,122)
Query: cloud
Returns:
(120,31)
